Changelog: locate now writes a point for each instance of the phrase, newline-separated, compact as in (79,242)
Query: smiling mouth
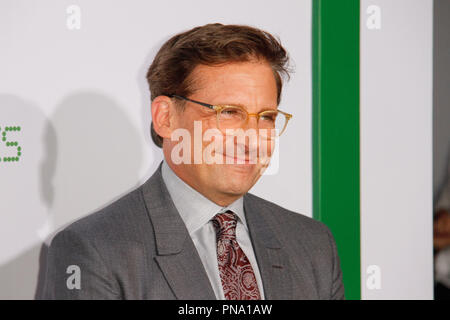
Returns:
(240,160)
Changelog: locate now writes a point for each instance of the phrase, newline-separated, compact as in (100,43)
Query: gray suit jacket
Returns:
(139,248)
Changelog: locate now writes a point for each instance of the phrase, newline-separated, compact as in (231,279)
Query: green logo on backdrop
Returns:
(13,156)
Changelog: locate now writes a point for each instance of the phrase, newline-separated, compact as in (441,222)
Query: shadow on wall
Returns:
(83,158)
(21,212)
(146,112)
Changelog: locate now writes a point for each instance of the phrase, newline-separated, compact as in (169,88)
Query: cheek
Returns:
(189,123)
(185,121)
(267,147)
(209,123)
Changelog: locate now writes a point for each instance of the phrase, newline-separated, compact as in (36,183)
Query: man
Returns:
(192,231)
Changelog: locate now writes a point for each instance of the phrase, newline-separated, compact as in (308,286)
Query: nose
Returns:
(252,121)
(251,144)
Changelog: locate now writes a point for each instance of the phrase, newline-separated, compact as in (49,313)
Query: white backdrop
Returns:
(396,109)
(82,103)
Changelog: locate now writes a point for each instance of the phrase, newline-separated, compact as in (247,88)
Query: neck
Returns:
(219,198)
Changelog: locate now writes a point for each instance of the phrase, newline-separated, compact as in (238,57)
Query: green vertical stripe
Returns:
(336,130)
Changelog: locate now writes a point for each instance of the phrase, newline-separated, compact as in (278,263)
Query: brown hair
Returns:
(211,44)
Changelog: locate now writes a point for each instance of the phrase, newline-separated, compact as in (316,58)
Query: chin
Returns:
(240,177)
(238,189)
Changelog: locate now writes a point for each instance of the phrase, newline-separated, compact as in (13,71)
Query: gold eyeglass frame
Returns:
(219,108)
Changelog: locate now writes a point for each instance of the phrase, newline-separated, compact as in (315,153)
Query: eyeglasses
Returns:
(235,117)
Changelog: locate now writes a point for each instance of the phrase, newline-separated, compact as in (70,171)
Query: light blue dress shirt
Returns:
(196,211)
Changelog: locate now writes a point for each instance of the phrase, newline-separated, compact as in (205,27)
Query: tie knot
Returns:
(225,224)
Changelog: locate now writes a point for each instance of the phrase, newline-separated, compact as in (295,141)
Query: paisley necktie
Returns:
(236,273)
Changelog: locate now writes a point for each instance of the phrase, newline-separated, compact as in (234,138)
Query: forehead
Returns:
(236,82)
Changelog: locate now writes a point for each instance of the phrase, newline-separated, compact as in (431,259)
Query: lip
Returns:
(245,160)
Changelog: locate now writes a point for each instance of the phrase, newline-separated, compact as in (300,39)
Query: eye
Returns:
(271,117)
(229,112)
(232,114)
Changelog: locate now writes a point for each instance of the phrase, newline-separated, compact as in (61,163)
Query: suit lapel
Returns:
(272,260)
(177,256)
(281,279)
(185,274)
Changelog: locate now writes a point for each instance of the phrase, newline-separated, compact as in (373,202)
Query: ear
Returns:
(162,116)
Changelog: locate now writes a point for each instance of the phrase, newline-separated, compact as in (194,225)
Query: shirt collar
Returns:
(195,209)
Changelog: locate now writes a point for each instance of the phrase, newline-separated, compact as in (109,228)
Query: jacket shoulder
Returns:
(308,243)
(292,225)
(120,220)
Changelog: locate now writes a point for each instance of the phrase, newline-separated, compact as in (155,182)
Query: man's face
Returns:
(248,84)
